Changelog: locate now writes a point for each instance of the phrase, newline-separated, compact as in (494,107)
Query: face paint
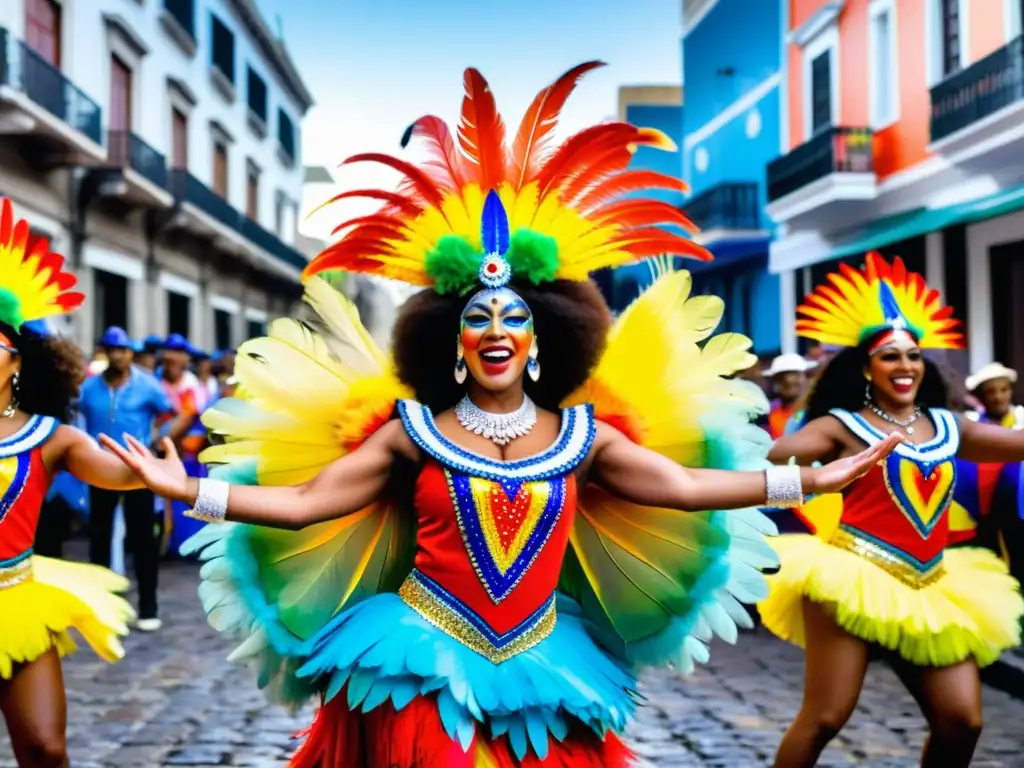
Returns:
(895,339)
(6,343)
(496,333)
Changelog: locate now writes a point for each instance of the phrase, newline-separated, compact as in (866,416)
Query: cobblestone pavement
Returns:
(175,701)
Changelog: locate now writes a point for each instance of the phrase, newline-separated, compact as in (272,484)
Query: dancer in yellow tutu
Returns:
(41,599)
(877,572)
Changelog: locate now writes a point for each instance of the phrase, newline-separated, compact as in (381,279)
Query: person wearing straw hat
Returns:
(993,386)
(788,377)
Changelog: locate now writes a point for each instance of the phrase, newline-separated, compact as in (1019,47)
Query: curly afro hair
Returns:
(841,384)
(570,318)
(52,370)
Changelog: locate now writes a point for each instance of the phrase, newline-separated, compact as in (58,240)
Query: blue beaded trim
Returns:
(913,562)
(572,446)
(898,493)
(451,614)
(942,447)
(37,430)
(500,585)
(17,559)
(18,482)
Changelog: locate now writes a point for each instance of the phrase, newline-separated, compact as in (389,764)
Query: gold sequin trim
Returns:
(448,620)
(14,575)
(887,561)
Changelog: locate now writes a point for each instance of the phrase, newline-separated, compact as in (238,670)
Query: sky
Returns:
(374,66)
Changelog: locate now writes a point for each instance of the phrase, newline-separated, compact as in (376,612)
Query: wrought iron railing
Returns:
(127,150)
(187,188)
(835,150)
(22,69)
(981,90)
(726,206)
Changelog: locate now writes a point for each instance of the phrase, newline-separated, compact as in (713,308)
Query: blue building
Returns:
(731,130)
(648,106)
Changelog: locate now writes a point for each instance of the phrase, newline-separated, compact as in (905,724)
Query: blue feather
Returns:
(494,230)
(890,309)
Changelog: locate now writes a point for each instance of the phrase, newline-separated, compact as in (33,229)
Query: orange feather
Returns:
(614,161)
(445,165)
(627,183)
(572,157)
(418,181)
(375,218)
(633,212)
(656,242)
(482,132)
(533,136)
(393,199)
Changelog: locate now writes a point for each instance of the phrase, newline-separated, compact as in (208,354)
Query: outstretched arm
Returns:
(82,457)
(815,441)
(982,443)
(642,476)
(343,487)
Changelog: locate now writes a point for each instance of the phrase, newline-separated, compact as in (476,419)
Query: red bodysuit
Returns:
(897,514)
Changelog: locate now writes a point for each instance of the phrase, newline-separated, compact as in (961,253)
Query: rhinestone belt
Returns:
(18,573)
(888,561)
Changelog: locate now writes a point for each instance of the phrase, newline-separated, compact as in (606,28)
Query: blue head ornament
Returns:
(495,271)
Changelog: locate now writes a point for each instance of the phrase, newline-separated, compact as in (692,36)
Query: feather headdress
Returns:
(856,304)
(33,283)
(538,212)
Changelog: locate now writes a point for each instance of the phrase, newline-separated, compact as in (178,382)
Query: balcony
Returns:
(37,99)
(145,168)
(726,211)
(978,112)
(230,229)
(823,177)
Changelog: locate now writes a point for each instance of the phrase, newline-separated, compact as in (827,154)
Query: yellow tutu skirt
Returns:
(974,609)
(35,615)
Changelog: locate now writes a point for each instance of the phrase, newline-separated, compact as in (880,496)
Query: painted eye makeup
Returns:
(517,321)
(476,320)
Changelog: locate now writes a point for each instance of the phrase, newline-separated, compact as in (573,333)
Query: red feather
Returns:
(532,139)
(627,183)
(445,165)
(420,182)
(656,242)
(614,161)
(374,218)
(573,156)
(635,212)
(403,204)
(482,132)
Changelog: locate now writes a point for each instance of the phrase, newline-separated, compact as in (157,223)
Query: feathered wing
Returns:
(310,394)
(659,584)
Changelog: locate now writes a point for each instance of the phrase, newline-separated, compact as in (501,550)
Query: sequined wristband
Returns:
(211,502)
(784,487)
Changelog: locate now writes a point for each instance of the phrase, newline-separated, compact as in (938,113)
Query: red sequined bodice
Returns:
(23,485)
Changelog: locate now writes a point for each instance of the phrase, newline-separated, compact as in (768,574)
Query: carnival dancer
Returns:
(877,573)
(42,599)
(474,582)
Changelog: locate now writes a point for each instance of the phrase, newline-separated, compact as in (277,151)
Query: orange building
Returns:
(903,131)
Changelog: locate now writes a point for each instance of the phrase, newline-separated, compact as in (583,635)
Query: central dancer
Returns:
(485,541)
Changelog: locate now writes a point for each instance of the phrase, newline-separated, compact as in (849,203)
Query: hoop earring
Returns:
(532,366)
(460,365)
(12,407)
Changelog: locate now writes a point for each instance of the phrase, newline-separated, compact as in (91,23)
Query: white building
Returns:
(157,145)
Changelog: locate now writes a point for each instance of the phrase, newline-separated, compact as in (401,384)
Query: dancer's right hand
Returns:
(166,477)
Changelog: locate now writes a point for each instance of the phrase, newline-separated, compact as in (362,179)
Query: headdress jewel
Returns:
(857,304)
(484,212)
(33,283)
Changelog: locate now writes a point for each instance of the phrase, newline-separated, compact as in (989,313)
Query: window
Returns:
(223,49)
(179,311)
(222,324)
(255,329)
(821,82)
(252,194)
(220,169)
(120,95)
(950,25)
(882,62)
(43,29)
(183,12)
(286,134)
(179,140)
(109,300)
(257,95)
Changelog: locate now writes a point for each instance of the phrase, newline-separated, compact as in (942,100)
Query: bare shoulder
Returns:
(393,437)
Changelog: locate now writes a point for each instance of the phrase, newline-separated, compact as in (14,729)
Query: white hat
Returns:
(988,373)
(789,363)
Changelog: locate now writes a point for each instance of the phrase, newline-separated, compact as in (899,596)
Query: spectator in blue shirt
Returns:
(126,399)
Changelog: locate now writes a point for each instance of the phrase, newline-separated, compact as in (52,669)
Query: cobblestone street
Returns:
(175,701)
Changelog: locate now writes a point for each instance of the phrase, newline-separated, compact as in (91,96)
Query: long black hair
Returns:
(570,320)
(52,369)
(842,383)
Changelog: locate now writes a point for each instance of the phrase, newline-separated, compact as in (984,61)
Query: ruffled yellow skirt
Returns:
(973,609)
(36,614)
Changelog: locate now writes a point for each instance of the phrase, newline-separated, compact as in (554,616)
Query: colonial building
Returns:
(731,56)
(157,145)
(902,132)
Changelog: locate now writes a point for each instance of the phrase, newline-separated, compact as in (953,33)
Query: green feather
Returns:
(454,264)
(10,309)
(533,256)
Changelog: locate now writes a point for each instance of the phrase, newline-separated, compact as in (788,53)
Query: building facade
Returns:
(731,128)
(157,146)
(902,132)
